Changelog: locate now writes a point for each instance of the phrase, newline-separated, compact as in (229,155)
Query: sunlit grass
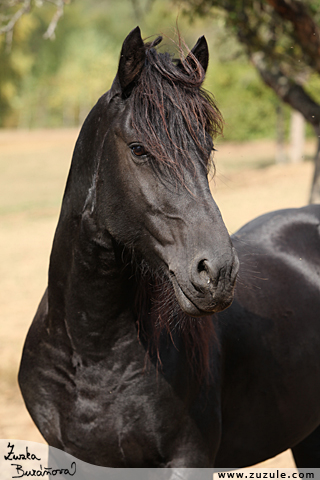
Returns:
(33,169)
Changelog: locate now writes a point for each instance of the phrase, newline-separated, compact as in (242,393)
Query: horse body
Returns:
(106,371)
(270,338)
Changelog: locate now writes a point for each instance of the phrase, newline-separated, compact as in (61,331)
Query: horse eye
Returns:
(138,150)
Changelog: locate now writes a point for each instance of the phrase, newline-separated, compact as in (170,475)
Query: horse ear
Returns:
(201,52)
(132,58)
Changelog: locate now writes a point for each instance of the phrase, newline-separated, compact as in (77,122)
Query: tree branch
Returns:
(8,22)
(306,30)
(50,33)
(10,25)
(289,91)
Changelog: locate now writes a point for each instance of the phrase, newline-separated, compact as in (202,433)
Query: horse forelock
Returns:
(172,114)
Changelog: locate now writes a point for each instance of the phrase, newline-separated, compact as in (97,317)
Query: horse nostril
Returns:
(206,274)
(210,273)
(202,266)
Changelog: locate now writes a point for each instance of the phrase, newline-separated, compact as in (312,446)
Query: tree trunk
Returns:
(287,90)
(306,29)
(315,188)
(297,137)
(280,143)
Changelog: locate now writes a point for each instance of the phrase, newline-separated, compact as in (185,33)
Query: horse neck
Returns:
(94,292)
(89,290)
(103,305)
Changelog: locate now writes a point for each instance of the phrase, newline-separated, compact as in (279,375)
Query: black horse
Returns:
(128,362)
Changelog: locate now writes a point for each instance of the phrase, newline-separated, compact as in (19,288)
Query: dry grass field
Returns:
(33,171)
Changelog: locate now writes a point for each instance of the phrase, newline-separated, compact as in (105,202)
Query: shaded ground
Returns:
(33,171)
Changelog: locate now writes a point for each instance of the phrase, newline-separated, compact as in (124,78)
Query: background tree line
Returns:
(264,58)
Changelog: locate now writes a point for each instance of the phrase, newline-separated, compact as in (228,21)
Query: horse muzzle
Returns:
(209,287)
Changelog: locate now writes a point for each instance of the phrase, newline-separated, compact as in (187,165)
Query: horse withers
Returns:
(132,359)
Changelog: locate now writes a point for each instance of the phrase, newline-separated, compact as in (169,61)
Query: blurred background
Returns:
(57,57)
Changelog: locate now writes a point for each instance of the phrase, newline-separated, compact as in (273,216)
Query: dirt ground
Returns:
(33,170)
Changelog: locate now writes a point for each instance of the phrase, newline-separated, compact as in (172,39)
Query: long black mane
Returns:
(164,322)
(172,113)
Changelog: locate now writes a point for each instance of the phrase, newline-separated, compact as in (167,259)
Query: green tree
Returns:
(58,81)
(12,10)
(282,40)
(19,30)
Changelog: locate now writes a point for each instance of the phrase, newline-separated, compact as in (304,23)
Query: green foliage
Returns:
(55,83)
(248,106)
(15,65)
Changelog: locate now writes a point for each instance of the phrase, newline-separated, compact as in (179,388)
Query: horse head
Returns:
(149,189)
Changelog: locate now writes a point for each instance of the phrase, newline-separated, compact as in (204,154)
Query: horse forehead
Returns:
(122,117)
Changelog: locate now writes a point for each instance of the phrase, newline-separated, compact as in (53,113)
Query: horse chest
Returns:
(120,417)
(118,412)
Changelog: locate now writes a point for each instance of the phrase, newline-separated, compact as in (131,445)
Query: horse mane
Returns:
(160,322)
(175,119)
(172,114)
